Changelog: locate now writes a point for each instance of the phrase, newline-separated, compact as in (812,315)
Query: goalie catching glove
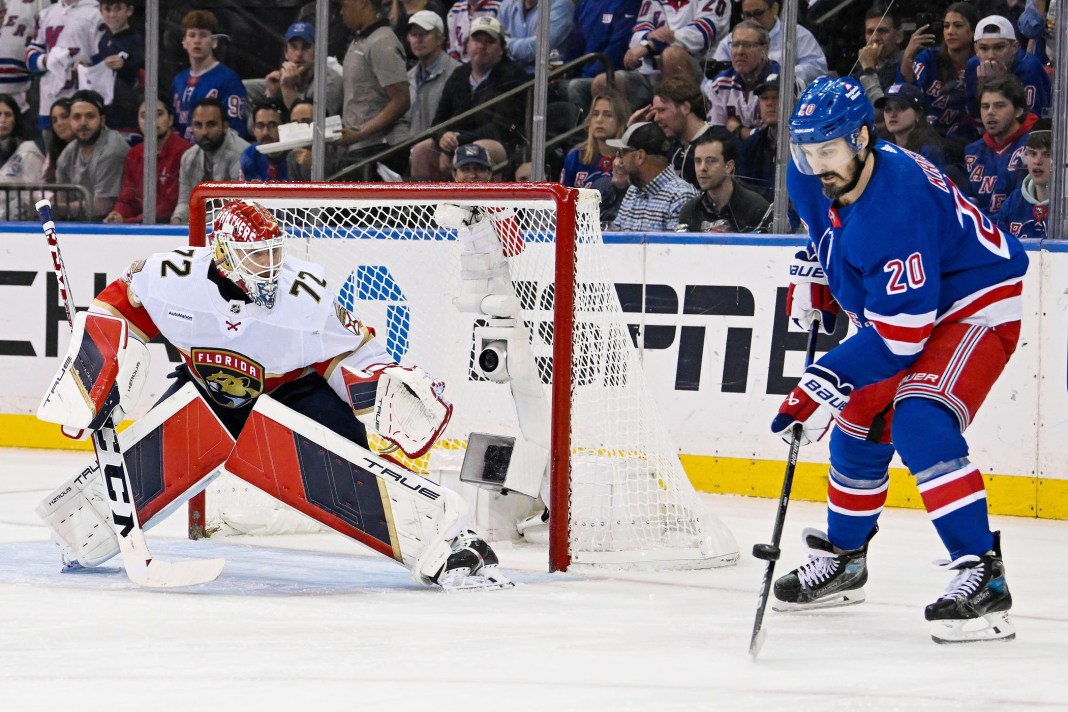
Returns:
(403,405)
(814,403)
(809,298)
(101,375)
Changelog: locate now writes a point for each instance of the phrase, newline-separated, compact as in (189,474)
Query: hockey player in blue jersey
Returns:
(934,290)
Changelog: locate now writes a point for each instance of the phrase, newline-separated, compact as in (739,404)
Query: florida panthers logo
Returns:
(231,379)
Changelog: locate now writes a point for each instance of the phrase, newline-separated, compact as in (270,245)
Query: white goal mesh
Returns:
(627,498)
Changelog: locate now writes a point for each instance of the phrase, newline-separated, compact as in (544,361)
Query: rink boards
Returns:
(717,349)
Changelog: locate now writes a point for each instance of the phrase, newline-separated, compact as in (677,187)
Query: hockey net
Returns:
(620,497)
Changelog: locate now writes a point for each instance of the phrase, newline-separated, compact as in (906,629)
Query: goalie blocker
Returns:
(181,445)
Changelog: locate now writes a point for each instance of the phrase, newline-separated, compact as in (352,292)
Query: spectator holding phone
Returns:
(938,70)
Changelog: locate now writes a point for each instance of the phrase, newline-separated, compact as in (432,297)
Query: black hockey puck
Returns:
(766,552)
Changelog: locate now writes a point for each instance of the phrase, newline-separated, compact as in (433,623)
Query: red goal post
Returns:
(647,508)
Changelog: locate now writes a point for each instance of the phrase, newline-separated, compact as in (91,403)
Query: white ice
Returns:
(311,622)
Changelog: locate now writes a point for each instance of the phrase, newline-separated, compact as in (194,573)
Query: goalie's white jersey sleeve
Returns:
(235,349)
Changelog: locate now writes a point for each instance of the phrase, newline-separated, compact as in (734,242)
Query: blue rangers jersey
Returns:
(577,174)
(220,82)
(1038,87)
(996,169)
(946,101)
(1023,214)
(911,253)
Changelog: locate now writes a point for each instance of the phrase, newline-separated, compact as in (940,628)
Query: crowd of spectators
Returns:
(683,137)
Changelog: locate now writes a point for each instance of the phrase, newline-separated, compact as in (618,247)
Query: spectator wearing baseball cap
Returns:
(295,78)
(471,164)
(433,66)
(656,195)
(402,12)
(461,25)
(488,73)
(905,119)
(997,52)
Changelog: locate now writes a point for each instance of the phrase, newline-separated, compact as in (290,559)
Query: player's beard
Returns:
(835,192)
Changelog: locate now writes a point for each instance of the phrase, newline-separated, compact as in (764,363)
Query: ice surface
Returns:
(312,622)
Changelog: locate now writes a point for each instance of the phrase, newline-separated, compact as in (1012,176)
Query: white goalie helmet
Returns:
(250,247)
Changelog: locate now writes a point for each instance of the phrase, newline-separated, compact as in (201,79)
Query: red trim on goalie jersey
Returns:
(116,299)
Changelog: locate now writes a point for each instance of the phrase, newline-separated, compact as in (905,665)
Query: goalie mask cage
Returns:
(619,495)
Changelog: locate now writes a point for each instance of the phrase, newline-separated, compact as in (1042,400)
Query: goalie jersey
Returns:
(911,253)
(235,349)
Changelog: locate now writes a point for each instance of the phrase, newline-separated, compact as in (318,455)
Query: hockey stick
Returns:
(140,565)
(770,552)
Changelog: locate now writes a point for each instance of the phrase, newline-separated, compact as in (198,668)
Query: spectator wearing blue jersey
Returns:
(1025,211)
(939,72)
(592,159)
(906,123)
(656,195)
(266,117)
(997,52)
(206,77)
(519,18)
(994,163)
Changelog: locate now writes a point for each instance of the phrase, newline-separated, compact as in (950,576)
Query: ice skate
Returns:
(829,579)
(976,603)
(471,565)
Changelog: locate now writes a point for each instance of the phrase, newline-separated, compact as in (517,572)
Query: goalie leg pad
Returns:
(102,374)
(348,488)
(171,454)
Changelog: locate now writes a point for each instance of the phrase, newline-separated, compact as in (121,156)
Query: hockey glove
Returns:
(403,405)
(818,398)
(809,298)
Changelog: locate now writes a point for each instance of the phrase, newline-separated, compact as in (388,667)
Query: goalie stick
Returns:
(770,552)
(142,568)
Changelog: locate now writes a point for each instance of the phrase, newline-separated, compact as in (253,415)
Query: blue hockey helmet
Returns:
(830,108)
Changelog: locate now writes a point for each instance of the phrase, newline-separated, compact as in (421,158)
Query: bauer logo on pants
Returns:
(231,379)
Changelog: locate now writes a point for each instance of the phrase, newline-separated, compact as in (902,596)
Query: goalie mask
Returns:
(250,247)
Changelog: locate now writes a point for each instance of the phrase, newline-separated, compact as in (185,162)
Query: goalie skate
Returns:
(828,579)
(975,606)
(471,565)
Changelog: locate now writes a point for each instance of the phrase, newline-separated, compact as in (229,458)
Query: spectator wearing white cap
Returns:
(488,74)
(519,18)
(426,80)
(997,52)
(471,164)
(656,195)
(400,18)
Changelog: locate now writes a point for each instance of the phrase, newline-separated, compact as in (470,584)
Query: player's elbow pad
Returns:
(101,375)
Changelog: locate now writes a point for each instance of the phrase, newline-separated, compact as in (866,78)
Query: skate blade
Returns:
(837,600)
(483,581)
(992,626)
